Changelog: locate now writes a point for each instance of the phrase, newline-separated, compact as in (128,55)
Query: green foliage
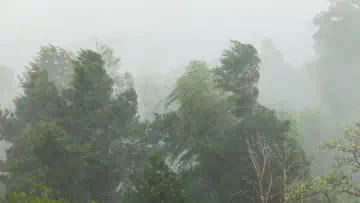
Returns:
(321,187)
(44,195)
(206,135)
(239,74)
(56,62)
(348,151)
(76,142)
(201,109)
(84,139)
(157,184)
(335,183)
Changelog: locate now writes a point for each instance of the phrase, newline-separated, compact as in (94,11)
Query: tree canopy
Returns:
(87,131)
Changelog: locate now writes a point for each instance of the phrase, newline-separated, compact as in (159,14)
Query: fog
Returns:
(160,34)
(306,55)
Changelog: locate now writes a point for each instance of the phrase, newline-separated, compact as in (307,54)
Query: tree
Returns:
(200,107)
(57,63)
(335,183)
(260,155)
(265,154)
(157,184)
(86,131)
(105,122)
(217,109)
(336,44)
(122,81)
(258,122)
(239,74)
(39,194)
(90,129)
(40,101)
(321,188)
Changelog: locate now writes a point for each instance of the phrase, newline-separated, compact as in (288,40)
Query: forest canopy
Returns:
(85,130)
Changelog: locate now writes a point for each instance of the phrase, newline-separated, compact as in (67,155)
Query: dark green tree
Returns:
(39,101)
(158,183)
(207,134)
(79,142)
(107,124)
(238,75)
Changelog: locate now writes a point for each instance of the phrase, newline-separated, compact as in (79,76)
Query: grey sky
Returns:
(157,34)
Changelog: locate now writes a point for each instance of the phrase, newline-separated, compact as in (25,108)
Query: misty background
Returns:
(155,40)
(160,37)
(157,35)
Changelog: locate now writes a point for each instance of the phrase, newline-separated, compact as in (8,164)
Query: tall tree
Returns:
(103,122)
(39,101)
(87,131)
(238,75)
(336,44)
(218,109)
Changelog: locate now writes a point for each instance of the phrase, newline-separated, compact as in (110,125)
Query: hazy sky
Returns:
(157,34)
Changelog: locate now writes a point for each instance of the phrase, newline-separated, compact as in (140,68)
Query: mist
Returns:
(173,33)
(301,74)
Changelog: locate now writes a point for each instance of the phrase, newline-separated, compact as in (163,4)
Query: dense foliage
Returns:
(80,135)
(90,132)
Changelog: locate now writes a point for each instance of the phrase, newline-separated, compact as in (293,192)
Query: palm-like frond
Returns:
(202,111)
